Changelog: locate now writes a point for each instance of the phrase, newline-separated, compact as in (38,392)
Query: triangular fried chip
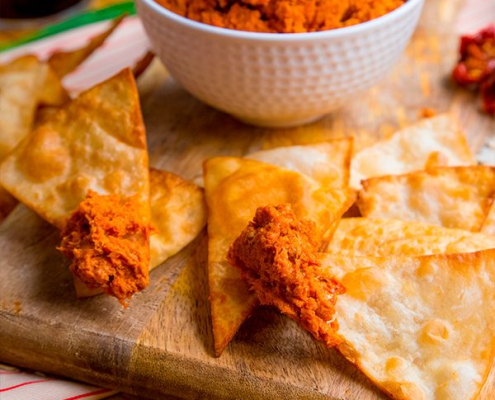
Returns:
(419,327)
(277,257)
(381,237)
(64,62)
(91,156)
(453,197)
(327,162)
(178,214)
(52,93)
(234,189)
(97,141)
(52,96)
(21,81)
(25,83)
(430,142)
(488,226)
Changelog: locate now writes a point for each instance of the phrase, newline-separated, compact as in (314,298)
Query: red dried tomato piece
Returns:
(476,66)
(477,59)
(488,95)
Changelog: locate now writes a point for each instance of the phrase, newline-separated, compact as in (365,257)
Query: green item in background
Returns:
(75,21)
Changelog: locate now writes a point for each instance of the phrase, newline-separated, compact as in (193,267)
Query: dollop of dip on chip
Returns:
(277,256)
(107,239)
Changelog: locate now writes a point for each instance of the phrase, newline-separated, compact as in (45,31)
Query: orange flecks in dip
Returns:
(277,256)
(107,239)
(282,16)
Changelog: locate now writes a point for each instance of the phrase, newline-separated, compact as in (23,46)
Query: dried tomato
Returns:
(476,66)
(488,95)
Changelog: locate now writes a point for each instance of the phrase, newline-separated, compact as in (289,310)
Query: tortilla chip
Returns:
(54,95)
(64,62)
(430,142)
(52,92)
(93,145)
(326,162)
(25,84)
(21,81)
(419,327)
(178,214)
(97,141)
(488,226)
(277,257)
(234,189)
(453,197)
(381,237)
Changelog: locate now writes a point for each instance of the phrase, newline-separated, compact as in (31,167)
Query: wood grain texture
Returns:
(161,346)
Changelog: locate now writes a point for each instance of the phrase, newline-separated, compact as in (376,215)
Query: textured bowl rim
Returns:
(282,37)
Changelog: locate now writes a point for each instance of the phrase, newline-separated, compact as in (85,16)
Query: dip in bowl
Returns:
(278,79)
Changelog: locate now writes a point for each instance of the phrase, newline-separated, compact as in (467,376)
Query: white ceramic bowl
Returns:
(271,79)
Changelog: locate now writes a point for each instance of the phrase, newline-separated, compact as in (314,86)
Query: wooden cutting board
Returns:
(162,344)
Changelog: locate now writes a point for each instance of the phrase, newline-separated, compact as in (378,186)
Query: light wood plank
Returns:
(162,344)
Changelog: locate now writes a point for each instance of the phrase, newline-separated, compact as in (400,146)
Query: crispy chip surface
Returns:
(453,197)
(419,327)
(178,213)
(488,226)
(381,237)
(326,162)
(432,141)
(25,84)
(97,141)
(52,91)
(234,189)
(21,82)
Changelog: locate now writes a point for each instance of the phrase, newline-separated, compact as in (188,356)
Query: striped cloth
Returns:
(21,385)
(123,48)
